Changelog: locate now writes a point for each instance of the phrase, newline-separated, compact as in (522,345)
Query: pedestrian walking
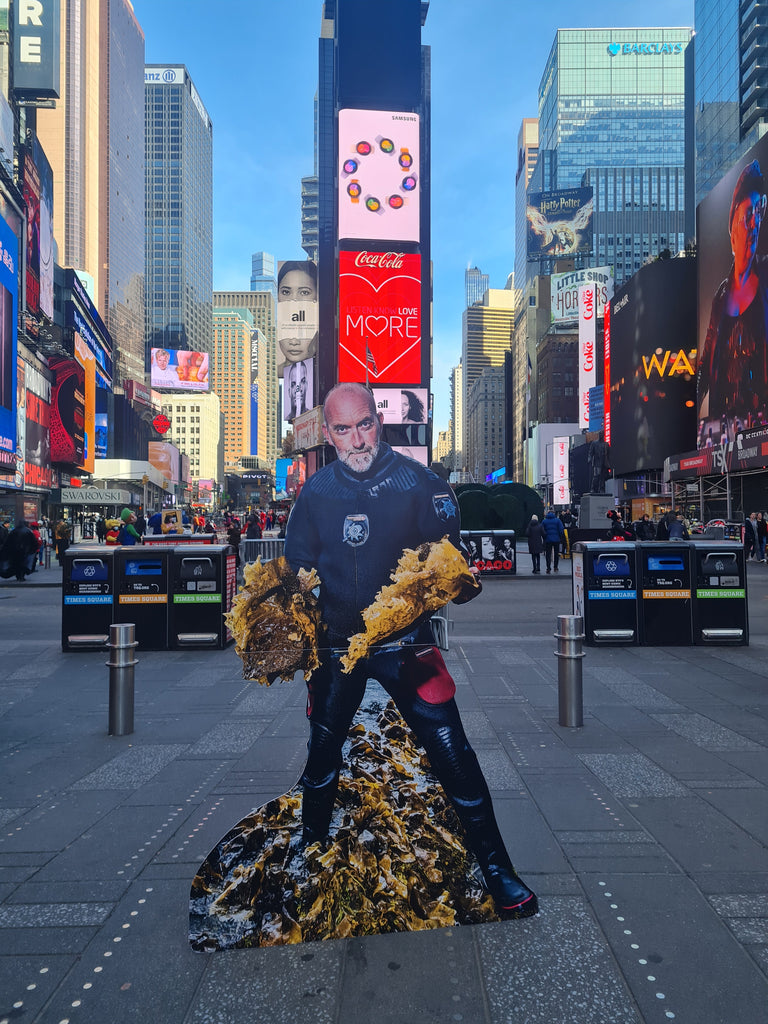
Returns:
(677,528)
(554,533)
(101,529)
(535,534)
(645,528)
(19,548)
(750,536)
(762,535)
(61,538)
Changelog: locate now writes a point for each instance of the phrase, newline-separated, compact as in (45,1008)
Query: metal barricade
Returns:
(266,549)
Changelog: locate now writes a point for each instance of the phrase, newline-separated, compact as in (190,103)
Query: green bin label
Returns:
(197,598)
(734,592)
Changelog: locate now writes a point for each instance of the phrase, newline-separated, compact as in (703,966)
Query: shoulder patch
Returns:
(444,506)
(356,530)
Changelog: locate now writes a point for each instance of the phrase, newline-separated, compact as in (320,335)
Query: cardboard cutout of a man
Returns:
(351,522)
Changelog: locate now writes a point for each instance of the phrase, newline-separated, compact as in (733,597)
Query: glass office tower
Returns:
(179,212)
(612,115)
(731,85)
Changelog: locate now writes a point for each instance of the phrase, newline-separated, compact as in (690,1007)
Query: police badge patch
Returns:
(445,507)
(356,530)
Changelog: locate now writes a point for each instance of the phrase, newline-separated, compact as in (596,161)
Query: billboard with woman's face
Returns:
(297,312)
(732,392)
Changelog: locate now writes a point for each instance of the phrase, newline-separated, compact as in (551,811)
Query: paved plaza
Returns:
(644,833)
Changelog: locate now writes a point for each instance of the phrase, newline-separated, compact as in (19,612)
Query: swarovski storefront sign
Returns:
(94,496)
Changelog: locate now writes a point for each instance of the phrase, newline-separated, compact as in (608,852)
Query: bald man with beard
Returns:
(351,523)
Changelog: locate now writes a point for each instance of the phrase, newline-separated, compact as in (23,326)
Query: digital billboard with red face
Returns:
(67,412)
(380,317)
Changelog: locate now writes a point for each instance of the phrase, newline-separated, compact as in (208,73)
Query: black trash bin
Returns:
(493,552)
(664,572)
(720,614)
(203,584)
(88,594)
(141,582)
(605,591)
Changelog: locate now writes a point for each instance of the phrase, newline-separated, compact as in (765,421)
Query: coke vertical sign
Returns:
(587,335)
(561,491)
(607,374)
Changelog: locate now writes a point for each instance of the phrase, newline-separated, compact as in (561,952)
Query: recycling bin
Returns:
(604,584)
(493,552)
(664,573)
(203,584)
(88,594)
(141,583)
(720,614)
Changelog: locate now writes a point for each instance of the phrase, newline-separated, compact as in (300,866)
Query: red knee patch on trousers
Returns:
(433,681)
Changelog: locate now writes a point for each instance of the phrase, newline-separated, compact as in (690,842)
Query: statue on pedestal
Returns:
(599,456)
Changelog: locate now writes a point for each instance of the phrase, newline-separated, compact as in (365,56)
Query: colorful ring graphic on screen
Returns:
(350,166)
(364,148)
(354,190)
(373,204)
(409,183)
(396,202)
(405,159)
(387,146)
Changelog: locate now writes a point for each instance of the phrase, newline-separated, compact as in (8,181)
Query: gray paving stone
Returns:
(498,771)
(282,985)
(632,775)
(706,733)
(741,905)
(636,693)
(604,836)
(132,768)
(230,737)
(525,982)
(46,941)
(477,725)
(748,929)
(53,915)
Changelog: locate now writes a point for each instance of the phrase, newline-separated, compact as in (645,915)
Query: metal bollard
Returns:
(47,556)
(570,633)
(121,666)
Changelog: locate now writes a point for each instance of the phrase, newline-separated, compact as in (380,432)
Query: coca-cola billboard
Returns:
(379,175)
(587,363)
(380,317)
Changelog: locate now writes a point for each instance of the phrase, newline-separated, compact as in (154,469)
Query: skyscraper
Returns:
(261,306)
(179,212)
(234,335)
(612,116)
(486,333)
(94,140)
(730,85)
(476,284)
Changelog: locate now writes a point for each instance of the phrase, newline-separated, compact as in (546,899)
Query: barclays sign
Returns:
(644,49)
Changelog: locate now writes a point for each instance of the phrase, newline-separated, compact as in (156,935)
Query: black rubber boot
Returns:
(317,808)
(511,895)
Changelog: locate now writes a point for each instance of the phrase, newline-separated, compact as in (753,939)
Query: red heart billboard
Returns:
(380,317)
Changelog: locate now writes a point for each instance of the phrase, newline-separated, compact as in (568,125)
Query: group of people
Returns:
(548,537)
(21,547)
(756,535)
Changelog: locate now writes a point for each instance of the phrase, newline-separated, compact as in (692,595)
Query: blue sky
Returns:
(254,63)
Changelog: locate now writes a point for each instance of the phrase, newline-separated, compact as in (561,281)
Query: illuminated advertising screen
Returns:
(559,223)
(587,338)
(179,370)
(67,412)
(418,454)
(165,457)
(87,360)
(281,474)
(297,312)
(564,304)
(380,317)
(31,190)
(37,443)
(733,302)
(653,366)
(102,434)
(379,175)
(298,389)
(8,327)
(45,178)
(402,405)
